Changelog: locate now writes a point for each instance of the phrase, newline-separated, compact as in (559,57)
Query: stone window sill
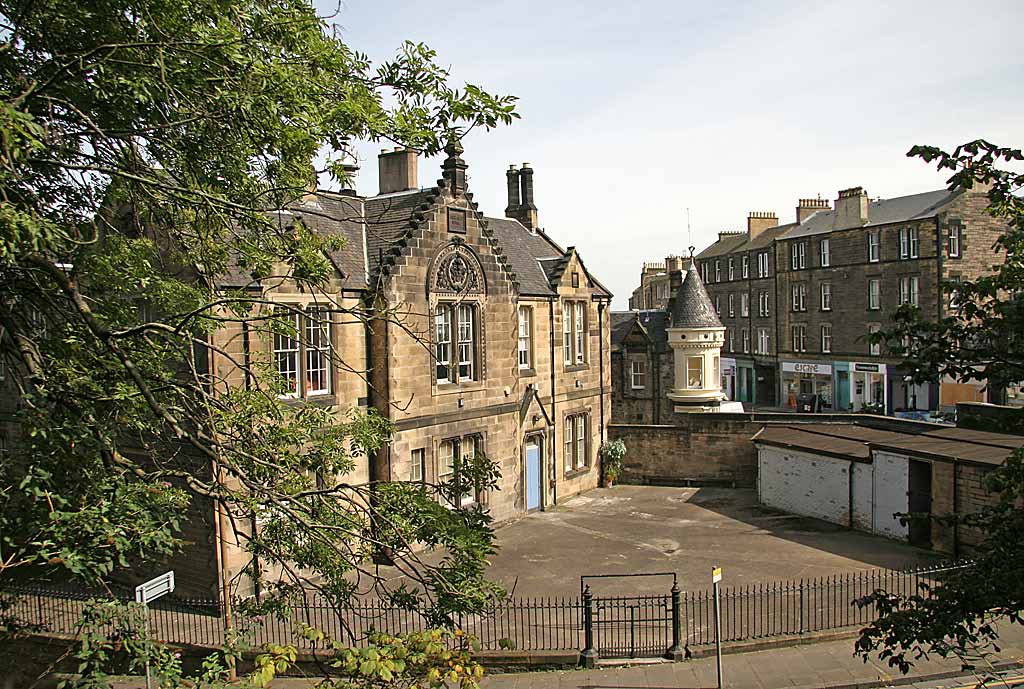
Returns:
(452,388)
(576,473)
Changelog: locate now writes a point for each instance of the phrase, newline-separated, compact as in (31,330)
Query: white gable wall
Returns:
(803,483)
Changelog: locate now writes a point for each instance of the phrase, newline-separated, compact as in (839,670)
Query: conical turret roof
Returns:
(692,307)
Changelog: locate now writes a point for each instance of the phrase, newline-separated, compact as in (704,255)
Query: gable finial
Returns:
(454,167)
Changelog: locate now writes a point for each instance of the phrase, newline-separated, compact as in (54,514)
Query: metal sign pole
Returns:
(145,608)
(144,593)
(716,577)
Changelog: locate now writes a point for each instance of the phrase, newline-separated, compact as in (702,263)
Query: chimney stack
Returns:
(512,176)
(527,209)
(398,170)
(805,208)
(851,209)
(759,221)
(674,264)
(675,281)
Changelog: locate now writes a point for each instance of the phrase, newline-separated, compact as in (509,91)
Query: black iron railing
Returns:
(608,626)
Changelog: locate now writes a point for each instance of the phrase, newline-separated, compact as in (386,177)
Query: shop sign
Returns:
(869,368)
(807,368)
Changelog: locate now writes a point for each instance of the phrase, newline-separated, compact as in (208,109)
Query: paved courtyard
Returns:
(631,529)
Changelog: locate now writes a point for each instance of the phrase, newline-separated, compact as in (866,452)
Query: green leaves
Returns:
(146,147)
(979,340)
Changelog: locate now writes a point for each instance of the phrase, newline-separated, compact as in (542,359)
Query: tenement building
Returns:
(654,289)
(844,272)
(799,301)
(739,270)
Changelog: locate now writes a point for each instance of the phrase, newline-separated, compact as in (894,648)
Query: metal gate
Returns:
(633,626)
(637,626)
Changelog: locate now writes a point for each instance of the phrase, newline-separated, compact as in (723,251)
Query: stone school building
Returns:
(468,332)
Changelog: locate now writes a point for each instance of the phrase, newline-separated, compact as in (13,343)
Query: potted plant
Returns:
(612,454)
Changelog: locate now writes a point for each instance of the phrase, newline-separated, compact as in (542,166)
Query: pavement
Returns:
(631,529)
(825,665)
(812,666)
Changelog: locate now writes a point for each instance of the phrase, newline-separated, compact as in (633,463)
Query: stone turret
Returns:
(696,336)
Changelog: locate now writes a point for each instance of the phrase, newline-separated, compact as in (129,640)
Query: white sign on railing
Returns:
(154,588)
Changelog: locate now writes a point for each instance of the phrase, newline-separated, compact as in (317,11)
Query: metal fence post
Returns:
(675,651)
(589,655)
(801,607)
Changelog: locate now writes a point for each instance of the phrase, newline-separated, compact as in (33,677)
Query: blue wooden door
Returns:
(533,476)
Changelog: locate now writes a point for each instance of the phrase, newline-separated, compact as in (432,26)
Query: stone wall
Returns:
(714,448)
(990,417)
(702,448)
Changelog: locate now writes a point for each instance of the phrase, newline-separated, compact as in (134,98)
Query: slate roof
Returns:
(856,441)
(387,220)
(328,214)
(730,244)
(534,257)
(622,323)
(881,212)
(692,307)
(653,321)
(527,254)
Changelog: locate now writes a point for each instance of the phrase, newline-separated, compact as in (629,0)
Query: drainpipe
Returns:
(600,353)
(652,354)
(247,352)
(852,466)
(956,509)
(554,418)
(776,370)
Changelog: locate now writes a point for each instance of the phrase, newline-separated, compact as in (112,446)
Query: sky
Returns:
(634,112)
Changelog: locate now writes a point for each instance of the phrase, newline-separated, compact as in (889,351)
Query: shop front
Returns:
(729,378)
(868,386)
(807,378)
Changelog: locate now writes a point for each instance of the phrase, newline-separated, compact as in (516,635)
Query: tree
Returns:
(981,340)
(142,144)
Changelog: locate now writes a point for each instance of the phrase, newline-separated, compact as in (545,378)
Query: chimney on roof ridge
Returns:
(805,208)
(674,263)
(512,177)
(851,209)
(759,221)
(520,197)
(398,170)
(528,209)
